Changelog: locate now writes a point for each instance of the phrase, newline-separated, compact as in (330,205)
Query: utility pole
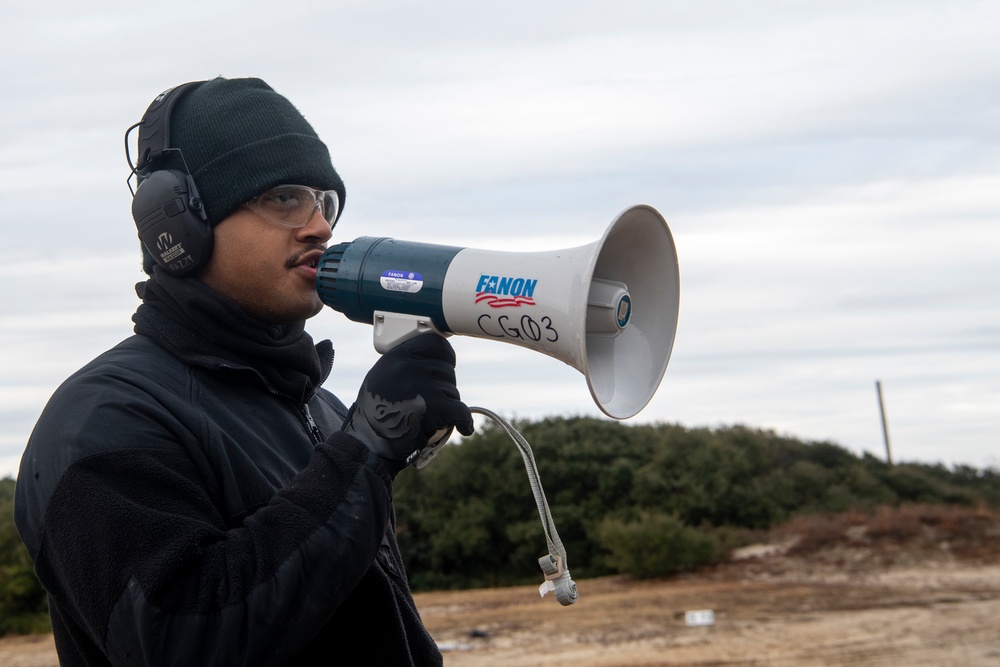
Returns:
(885,425)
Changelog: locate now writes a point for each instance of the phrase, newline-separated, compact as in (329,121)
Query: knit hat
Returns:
(239,138)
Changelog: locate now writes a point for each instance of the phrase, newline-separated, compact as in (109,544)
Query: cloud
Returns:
(829,171)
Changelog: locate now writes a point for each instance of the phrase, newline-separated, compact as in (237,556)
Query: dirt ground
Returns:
(846,607)
(936,615)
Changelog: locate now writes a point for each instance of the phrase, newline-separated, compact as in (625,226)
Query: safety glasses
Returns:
(294,205)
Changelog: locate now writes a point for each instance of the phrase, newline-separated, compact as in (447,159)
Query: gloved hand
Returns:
(407,396)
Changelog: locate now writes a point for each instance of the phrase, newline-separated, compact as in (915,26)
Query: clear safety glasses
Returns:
(294,205)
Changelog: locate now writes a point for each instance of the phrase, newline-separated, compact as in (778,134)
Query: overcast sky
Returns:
(830,172)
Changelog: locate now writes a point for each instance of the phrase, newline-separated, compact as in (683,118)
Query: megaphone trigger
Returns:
(391,329)
(422,457)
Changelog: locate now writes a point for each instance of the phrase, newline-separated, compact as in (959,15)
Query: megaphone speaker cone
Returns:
(623,371)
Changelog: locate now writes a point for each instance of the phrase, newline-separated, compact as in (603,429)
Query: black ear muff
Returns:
(168,211)
(171,221)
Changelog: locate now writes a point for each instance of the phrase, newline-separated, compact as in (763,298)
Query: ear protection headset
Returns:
(166,206)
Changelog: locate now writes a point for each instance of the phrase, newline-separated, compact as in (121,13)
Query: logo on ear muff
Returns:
(164,241)
(169,252)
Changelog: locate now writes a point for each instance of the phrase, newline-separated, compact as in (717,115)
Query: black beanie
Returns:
(240,138)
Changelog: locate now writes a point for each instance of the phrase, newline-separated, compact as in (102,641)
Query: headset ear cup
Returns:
(171,222)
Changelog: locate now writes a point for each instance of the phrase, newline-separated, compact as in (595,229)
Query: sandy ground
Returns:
(768,610)
(935,615)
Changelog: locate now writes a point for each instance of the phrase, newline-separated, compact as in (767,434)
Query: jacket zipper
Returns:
(314,432)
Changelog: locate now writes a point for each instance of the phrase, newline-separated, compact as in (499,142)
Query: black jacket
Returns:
(186,514)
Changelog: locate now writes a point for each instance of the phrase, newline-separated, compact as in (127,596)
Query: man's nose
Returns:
(317,227)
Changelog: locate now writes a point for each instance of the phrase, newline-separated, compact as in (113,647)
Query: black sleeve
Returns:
(133,549)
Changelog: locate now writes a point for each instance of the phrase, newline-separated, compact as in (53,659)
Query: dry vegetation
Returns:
(909,586)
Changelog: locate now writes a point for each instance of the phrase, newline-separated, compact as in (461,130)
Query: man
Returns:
(192,496)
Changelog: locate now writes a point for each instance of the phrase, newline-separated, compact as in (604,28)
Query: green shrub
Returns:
(469,519)
(23,605)
(654,545)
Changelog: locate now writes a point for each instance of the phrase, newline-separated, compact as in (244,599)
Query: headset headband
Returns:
(154,128)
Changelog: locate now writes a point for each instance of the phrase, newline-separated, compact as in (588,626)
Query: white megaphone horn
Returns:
(608,309)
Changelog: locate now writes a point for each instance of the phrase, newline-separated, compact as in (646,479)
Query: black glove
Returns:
(407,397)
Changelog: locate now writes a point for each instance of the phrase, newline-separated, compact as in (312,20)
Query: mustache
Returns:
(296,259)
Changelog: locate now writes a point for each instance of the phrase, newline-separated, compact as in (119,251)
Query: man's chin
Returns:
(316,311)
(290,315)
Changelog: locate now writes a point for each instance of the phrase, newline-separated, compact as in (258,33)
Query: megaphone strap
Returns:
(557,577)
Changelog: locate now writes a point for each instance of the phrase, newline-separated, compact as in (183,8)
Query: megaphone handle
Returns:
(391,329)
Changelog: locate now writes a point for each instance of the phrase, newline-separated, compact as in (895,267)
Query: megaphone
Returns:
(608,309)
